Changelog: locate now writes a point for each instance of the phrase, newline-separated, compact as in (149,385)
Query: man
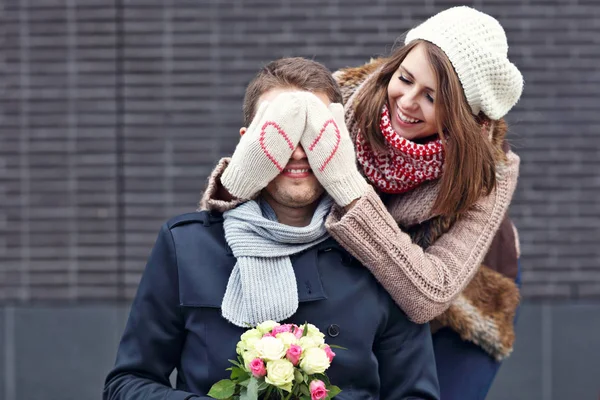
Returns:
(211,275)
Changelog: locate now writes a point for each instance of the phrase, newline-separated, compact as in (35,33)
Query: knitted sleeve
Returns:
(423,282)
(215,197)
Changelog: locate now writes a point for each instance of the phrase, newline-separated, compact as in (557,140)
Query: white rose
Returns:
(315,361)
(251,334)
(287,338)
(267,326)
(270,348)
(248,340)
(315,334)
(280,373)
(306,342)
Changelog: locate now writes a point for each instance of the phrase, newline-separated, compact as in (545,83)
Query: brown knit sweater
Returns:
(425,261)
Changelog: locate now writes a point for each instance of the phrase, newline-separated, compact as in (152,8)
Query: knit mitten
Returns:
(330,152)
(266,147)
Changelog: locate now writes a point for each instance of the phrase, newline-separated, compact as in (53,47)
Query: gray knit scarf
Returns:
(262,285)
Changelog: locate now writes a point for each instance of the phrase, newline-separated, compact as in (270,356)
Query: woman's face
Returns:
(411,96)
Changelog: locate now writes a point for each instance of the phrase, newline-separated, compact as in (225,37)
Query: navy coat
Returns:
(175,322)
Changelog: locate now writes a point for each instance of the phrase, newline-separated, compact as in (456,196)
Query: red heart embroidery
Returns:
(263,133)
(337,144)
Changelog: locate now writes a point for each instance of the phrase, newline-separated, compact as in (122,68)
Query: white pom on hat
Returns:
(476,45)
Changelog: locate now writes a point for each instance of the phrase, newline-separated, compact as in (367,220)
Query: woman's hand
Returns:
(266,147)
(331,153)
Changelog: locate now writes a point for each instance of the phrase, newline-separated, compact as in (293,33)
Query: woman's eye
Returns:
(403,79)
(429,97)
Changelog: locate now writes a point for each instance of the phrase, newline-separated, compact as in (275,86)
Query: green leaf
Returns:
(305,329)
(335,346)
(253,389)
(262,385)
(304,390)
(237,364)
(296,390)
(223,389)
(333,391)
(323,378)
(298,377)
(244,383)
(268,393)
(238,374)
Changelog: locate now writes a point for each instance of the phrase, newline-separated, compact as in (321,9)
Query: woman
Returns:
(429,136)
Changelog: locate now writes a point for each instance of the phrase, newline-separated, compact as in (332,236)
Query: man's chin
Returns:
(297,201)
(296,197)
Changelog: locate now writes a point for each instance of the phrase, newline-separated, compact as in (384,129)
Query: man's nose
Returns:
(299,153)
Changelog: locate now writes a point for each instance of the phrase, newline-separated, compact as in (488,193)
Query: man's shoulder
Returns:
(200,230)
(204,218)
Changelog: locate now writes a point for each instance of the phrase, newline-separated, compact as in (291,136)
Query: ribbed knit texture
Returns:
(477,47)
(330,152)
(266,147)
(423,283)
(262,285)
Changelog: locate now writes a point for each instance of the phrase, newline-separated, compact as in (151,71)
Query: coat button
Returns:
(333,330)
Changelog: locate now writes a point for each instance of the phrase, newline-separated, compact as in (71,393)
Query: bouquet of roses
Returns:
(279,362)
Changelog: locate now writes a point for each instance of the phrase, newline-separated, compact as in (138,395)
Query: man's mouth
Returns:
(297,172)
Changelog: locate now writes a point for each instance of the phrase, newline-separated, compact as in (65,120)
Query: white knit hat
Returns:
(476,45)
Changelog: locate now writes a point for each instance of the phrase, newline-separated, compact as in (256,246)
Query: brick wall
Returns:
(114,112)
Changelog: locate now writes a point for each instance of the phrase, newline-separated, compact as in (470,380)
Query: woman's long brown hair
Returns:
(469,166)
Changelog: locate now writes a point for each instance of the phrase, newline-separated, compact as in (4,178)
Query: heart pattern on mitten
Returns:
(280,131)
(336,132)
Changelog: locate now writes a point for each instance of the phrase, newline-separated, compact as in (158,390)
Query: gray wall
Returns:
(114,111)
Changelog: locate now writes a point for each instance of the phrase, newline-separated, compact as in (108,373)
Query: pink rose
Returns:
(317,390)
(281,329)
(293,354)
(257,367)
(269,334)
(298,332)
(329,352)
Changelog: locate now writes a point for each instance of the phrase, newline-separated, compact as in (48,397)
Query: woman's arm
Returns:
(423,282)
(216,197)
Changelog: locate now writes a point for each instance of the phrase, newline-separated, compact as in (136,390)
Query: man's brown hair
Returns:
(292,72)
(469,165)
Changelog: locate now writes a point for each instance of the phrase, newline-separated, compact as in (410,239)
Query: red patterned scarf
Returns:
(405,165)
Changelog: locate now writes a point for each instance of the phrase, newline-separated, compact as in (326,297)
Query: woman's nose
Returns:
(407,101)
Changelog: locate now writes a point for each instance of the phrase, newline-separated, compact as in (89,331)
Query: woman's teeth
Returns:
(406,118)
(297,171)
